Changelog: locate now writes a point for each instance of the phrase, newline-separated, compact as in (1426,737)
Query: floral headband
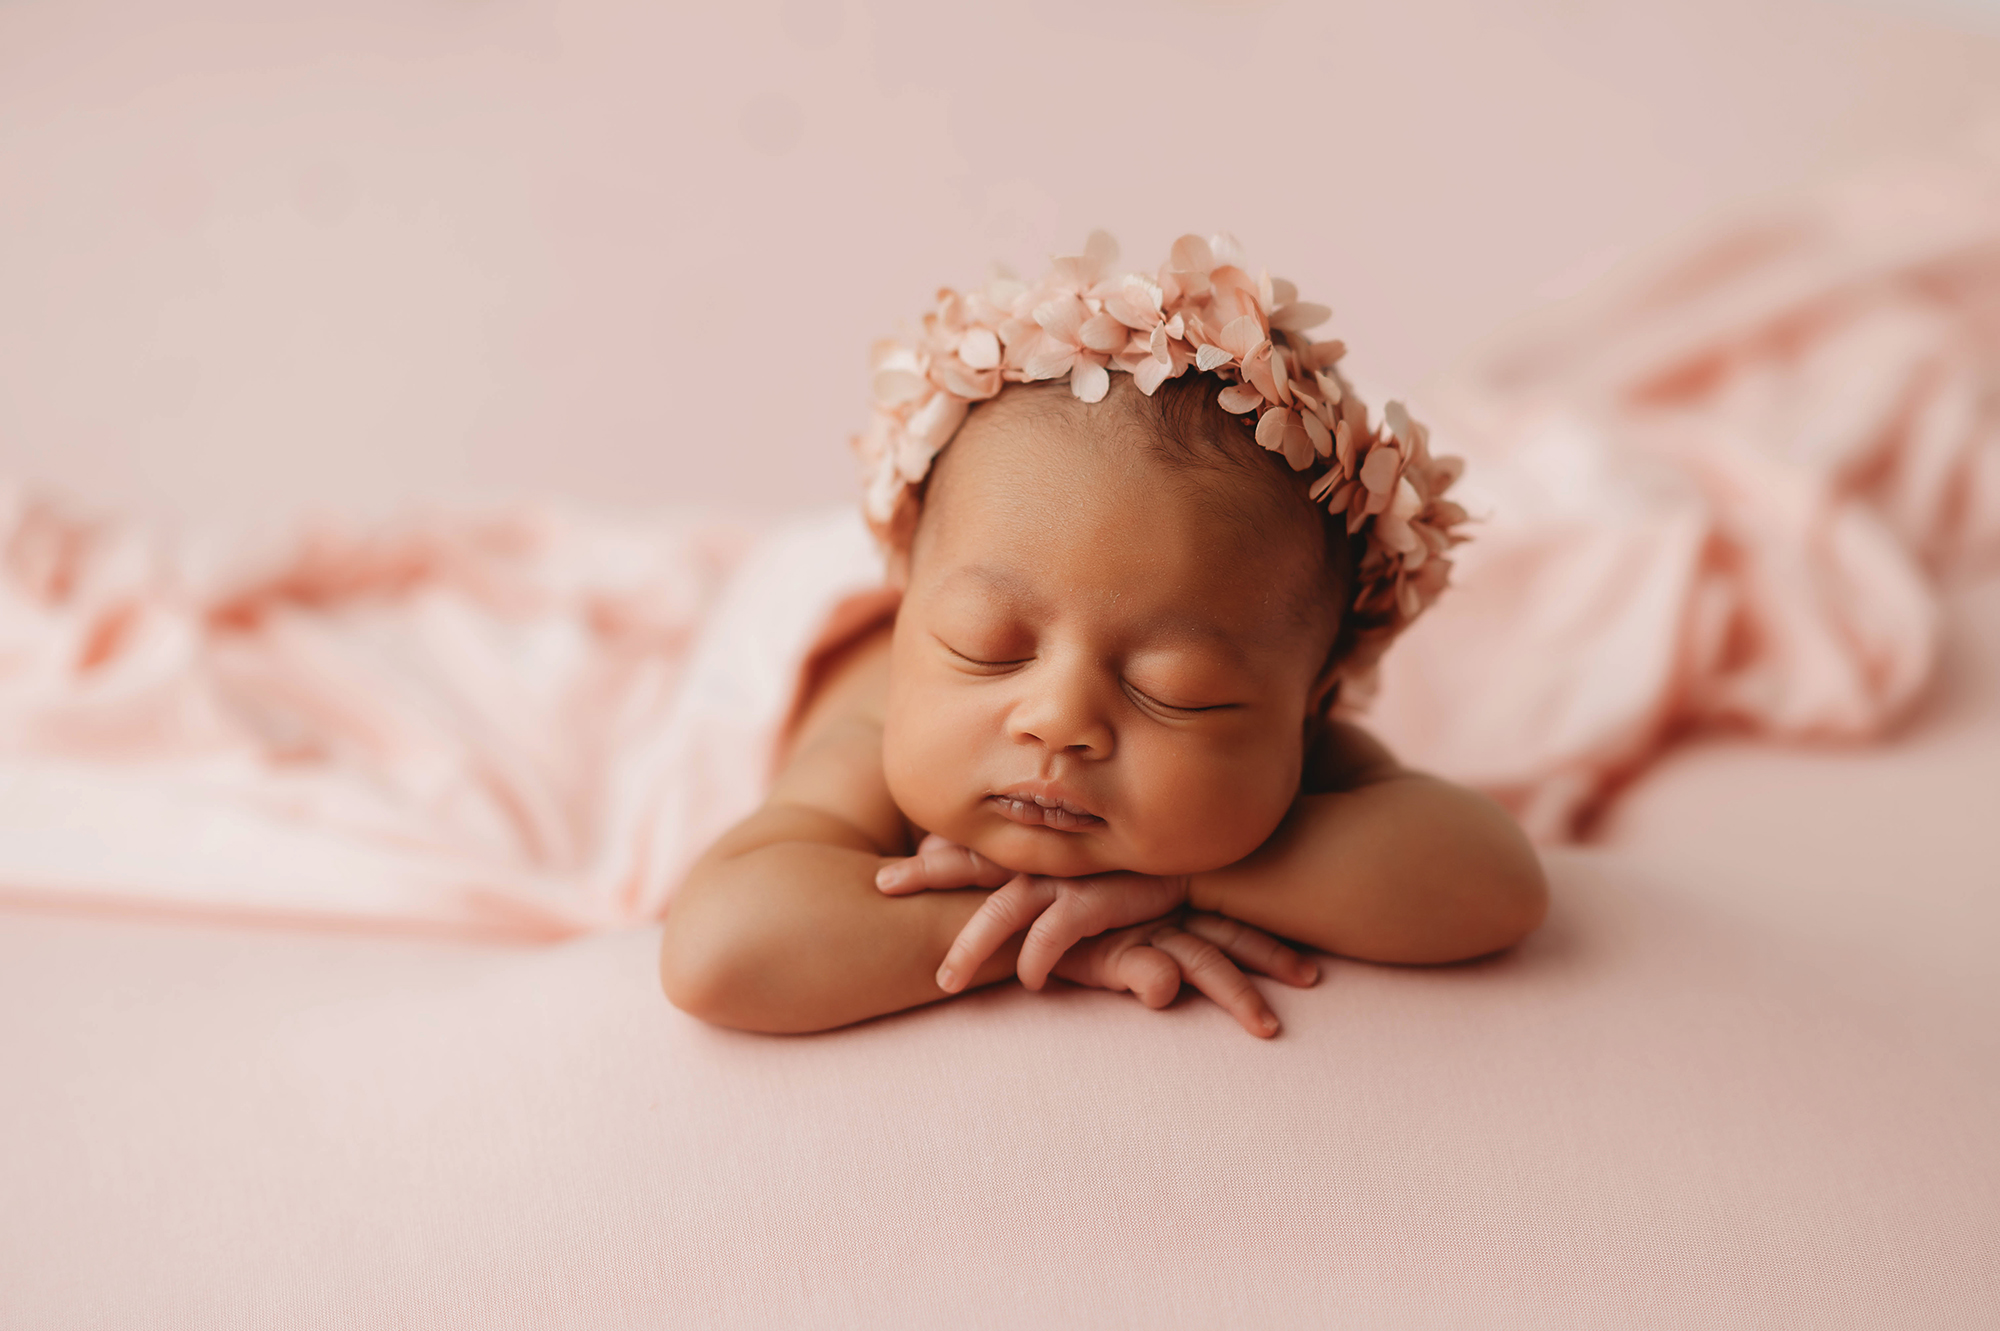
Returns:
(1204,310)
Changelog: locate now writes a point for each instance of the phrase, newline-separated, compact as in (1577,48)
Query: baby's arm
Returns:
(1384,864)
(779,926)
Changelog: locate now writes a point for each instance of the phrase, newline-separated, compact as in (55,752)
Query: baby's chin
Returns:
(1066,854)
(1038,850)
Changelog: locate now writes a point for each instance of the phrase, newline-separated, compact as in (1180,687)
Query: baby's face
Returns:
(1092,668)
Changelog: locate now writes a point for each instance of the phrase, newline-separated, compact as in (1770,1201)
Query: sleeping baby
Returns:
(1098,723)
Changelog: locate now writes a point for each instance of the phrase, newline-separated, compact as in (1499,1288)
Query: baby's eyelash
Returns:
(973,660)
(1173,707)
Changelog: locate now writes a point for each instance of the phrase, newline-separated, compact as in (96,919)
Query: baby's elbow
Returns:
(689,973)
(1523,901)
(725,972)
(704,972)
(1512,903)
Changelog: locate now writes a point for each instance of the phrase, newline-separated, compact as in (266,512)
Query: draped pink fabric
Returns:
(1720,493)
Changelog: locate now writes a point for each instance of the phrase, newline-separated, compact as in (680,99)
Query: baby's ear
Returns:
(1326,688)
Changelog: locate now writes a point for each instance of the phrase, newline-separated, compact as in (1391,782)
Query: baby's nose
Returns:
(1064,715)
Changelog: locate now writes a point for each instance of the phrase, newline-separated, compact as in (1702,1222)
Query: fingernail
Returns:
(887,875)
(947,979)
(1270,1024)
(1311,973)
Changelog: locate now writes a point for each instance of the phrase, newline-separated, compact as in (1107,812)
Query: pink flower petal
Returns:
(1237,398)
(1073,272)
(1015,330)
(1271,429)
(1299,316)
(1395,533)
(897,386)
(935,422)
(1283,292)
(1356,415)
(1102,333)
(1298,444)
(1326,353)
(1062,317)
(1378,470)
(1191,254)
(1343,446)
(1137,302)
(1101,249)
(1239,337)
(1322,441)
(1051,360)
(1399,424)
(979,348)
(1026,347)
(1325,485)
(1149,374)
(1211,356)
(1160,345)
(1257,369)
(973,385)
(1089,380)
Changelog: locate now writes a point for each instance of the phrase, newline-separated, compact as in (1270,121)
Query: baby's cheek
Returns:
(1205,810)
(924,764)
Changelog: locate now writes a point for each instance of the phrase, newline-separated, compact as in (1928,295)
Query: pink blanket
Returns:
(1720,494)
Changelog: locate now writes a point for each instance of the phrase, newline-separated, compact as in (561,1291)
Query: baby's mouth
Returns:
(1043,811)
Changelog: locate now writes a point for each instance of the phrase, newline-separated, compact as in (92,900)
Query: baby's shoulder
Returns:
(833,759)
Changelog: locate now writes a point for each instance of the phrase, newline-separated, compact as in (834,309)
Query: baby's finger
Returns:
(1073,917)
(1003,915)
(1153,977)
(1086,907)
(1205,966)
(1253,948)
(939,864)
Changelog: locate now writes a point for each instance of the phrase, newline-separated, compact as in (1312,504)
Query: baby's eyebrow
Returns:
(1203,633)
(1004,580)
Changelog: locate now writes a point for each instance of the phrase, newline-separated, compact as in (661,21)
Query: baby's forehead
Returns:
(1146,520)
(1109,587)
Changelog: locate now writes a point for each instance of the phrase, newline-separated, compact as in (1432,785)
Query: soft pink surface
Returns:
(1689,1101)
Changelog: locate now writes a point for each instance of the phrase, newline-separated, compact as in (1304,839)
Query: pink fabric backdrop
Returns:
(255,257)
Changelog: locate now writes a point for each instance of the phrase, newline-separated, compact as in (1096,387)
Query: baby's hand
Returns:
(1057,912)
(1151,960)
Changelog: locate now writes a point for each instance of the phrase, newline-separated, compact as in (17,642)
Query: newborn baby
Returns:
(1098,739)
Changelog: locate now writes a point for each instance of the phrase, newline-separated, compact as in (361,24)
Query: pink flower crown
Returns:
(1204,310)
